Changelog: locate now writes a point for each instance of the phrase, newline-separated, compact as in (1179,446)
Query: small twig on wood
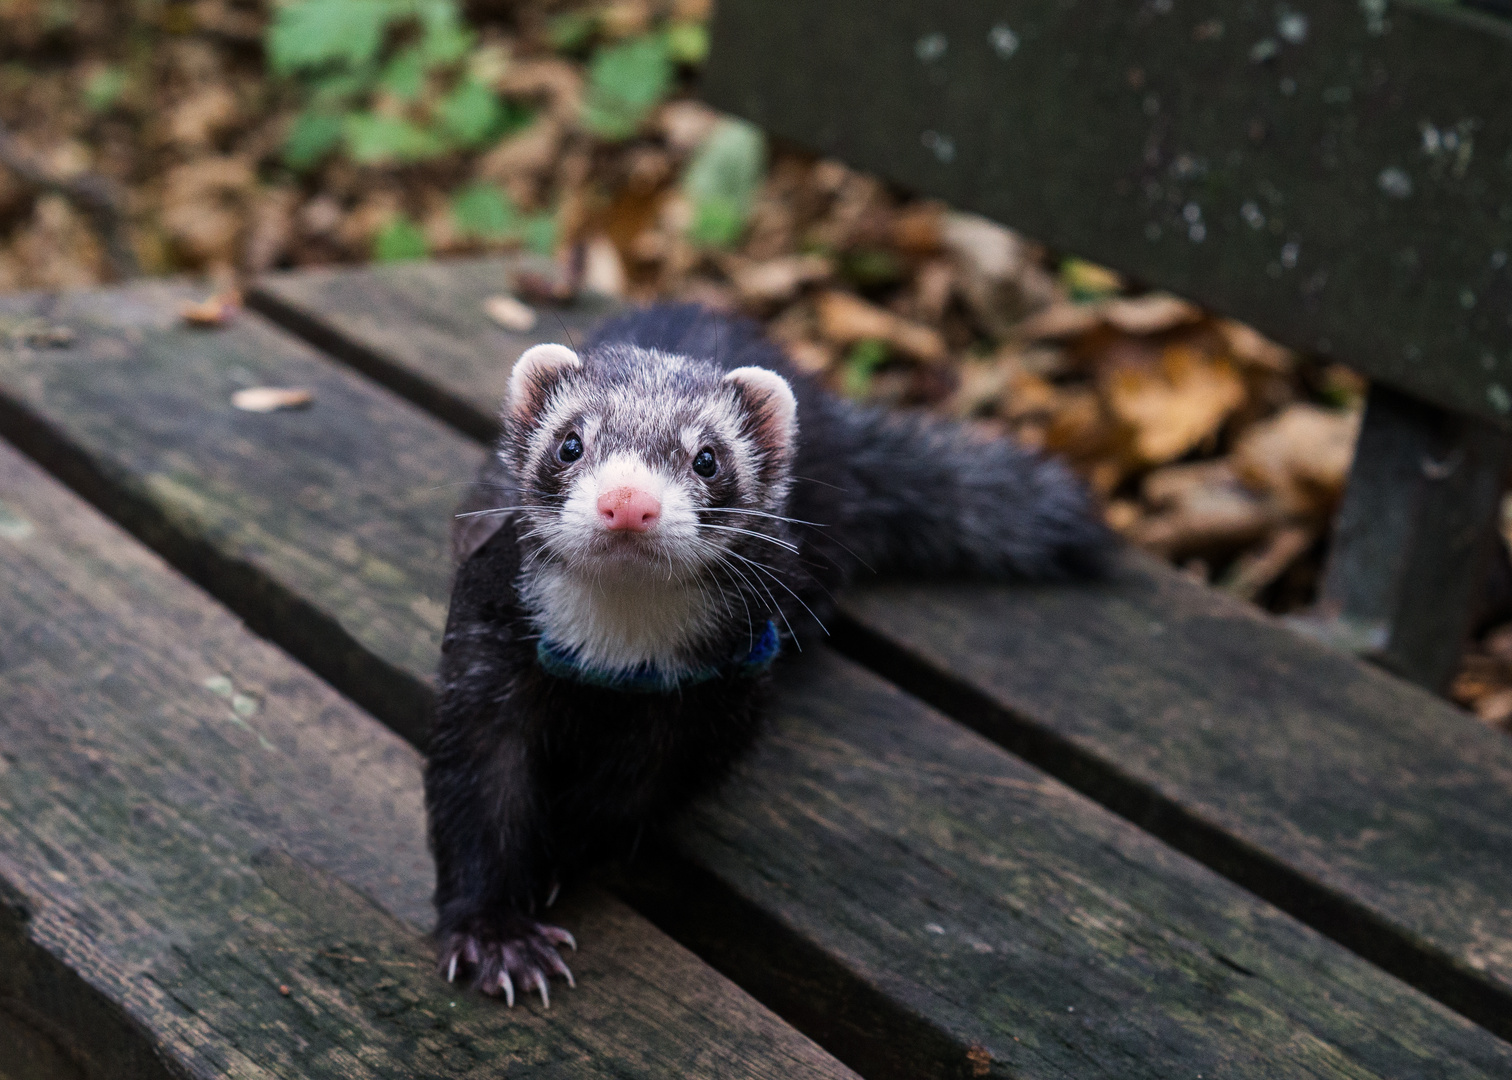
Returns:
(97,196)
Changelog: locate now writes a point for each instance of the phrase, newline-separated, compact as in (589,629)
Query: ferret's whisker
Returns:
(493,510)
(751,532)
(775,605)
(773,575)
(760,514)
(756,585)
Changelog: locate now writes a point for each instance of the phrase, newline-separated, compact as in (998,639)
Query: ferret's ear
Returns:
(535,373)
(770,400)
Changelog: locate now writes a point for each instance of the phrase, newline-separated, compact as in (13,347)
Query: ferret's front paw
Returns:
(504,953)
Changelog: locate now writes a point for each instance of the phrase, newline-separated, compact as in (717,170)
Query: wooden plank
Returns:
(413,327)
(1000,917)
(1368,807)
(1335,174)
(1414,536)
(191,458)
(1059,677)
(190,821)
(883,999)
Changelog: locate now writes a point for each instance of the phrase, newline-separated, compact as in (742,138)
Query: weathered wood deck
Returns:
(919,898)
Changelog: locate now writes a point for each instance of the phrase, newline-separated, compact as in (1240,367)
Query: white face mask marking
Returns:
(616,596)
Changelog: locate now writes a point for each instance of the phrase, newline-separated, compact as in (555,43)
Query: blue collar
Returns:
(646,679)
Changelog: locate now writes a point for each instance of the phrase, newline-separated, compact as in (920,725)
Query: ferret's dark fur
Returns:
(532,775)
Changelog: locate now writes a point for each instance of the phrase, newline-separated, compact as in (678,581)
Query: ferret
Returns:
(665,513)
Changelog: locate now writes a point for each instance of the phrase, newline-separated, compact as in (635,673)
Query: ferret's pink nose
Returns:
(629,508)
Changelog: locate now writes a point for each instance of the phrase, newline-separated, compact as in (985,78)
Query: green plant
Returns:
(399,240)
(483,211)
(722,181)
(387,81)
(860,367)
(625,82)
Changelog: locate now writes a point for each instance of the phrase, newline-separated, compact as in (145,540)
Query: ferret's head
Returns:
(632,461)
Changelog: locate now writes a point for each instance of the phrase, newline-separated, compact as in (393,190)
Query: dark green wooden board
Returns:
(189,820)
(825,921)
(1248,748)
(1337,174)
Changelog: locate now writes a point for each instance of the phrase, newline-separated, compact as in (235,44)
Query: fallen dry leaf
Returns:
(685,124)
(266,399)
(1152,313)
(1176,405)
(204,203)
(775,281)
(557,81)
(1060,321)
(603,270)
(1256,570)
(845,319)
(1300,457)
(1201,507)
(1249,346)
(510,313)
(997,271)
(218,310)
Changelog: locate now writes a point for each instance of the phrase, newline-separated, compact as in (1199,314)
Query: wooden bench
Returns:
(898,888)
(1337,175)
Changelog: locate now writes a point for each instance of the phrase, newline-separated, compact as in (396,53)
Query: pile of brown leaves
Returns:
(1211,446)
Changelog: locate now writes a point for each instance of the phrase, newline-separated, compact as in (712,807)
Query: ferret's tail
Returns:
(921,496)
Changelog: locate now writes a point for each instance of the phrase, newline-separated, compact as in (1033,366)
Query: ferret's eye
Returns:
(704,464)
(571,448)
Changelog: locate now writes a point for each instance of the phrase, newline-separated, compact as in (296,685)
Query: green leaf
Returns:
(573,32)
(313,33)
(717,222)
(540,233)
(104,89)
(313,135)
(400,239)
(688,42)
(446,39)
(625,83)
(860,365)
(404,75)
(485,211)
(372,139)
(470,113)
(1088,281)
(722,181)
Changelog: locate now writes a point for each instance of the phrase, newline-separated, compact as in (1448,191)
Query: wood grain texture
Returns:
(994,908)
(1412,544)
(392,322)
(190,821)
(1222,746)
(1370,808)
(1335,174)
(153,434)
(822,912)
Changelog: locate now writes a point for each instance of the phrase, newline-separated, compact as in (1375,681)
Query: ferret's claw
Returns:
(558,936)
(451,969)
(540,981)
(561,968)
(507,985)
(556,887)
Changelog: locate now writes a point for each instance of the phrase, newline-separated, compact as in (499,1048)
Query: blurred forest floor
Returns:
(225,138)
